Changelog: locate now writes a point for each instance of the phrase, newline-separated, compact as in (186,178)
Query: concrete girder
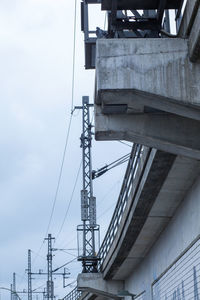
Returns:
(156,66)
(95,284)
(135,101)
(163,131)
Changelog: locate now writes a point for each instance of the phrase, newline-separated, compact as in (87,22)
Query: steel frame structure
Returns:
(49,294)
(126,21)
(29,276)
(88,229)
(50,286)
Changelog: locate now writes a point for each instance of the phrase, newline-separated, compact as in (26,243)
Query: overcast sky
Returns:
(36,47)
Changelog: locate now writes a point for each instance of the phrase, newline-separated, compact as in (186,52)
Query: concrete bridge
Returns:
(148,92)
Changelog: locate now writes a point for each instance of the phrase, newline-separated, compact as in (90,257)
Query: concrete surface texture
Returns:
(94,283)
(176,246)
(167,132)
(148,91)
(157,66)
(183,230)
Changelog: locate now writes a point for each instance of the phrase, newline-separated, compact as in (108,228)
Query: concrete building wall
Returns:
(179,241)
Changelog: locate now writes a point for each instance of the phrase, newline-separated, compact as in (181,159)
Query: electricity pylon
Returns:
(88,230)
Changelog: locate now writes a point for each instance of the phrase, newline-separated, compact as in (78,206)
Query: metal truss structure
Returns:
(128,19)
(88,231)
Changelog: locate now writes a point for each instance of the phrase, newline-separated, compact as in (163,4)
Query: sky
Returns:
(36,59)
(36,54)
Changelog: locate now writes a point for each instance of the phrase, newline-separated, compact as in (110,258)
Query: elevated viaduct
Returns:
(148,92)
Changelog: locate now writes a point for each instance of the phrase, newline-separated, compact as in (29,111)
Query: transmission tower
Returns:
(29,276)
(50,287)
(88,231)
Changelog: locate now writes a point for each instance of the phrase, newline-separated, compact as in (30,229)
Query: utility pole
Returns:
(14,297)
(50,287)
(89,230)
(49,292)
(29,276)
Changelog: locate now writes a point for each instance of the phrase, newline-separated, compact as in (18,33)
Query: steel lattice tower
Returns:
(50,287)
(14,287)
(89,229)
(29,276)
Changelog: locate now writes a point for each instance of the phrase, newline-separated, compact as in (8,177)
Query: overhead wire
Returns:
(110,166)
(74,56)
(70,120)
(68,130)
(70,201)
(67,263)
(125,144)
(60,175)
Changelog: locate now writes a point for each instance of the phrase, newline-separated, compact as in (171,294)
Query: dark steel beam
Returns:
(161,10)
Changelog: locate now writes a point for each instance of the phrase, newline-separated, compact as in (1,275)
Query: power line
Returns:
(74,54)
(70,120)
(125,144)
(110,166)
(71,198)
(60,175)
(68,131)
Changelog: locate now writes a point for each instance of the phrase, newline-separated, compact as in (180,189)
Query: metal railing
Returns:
(128,182)
(73,295)
(122,201)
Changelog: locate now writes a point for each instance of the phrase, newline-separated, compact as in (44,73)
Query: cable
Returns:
(125,144)
(110,166)
(71,198)
(59,177)
(39,287)
(105,211)
(67,263)
(71,283)
(101,200)
(74,53)
(69,127)
(66,244)
(64,250)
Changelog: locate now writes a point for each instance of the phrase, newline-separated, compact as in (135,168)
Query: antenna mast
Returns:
(89,230)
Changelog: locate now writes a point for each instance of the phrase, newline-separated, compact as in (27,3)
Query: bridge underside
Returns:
(163,182)
(166,184)
(147,91)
